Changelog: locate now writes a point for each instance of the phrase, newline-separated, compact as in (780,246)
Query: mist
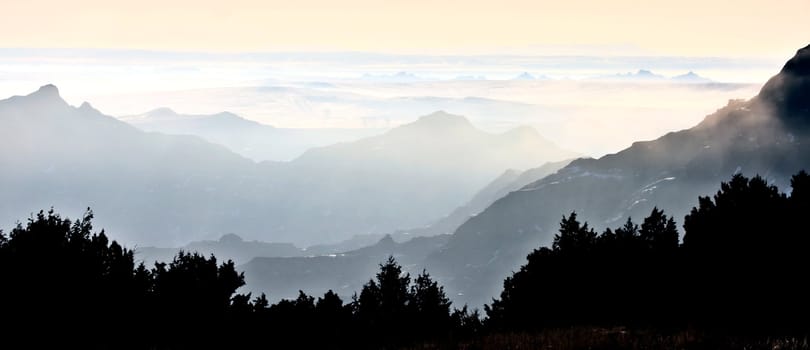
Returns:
(568,97)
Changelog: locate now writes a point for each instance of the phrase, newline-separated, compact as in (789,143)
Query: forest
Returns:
(735,277)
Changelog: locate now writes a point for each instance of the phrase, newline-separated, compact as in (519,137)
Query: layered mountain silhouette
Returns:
(248,138)
(766,135)
(163,190)
(509,181)
(344,273)
(690,77)
(420,170)
(349,260)
(644,75)
(228,247)
(148,187)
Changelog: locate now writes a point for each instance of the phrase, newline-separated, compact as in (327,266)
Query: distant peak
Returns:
(524,76)
(47,95)
(386,241)
(226,114)
(442,120)
(230,238)
(690,77)
(162,112)
(49,91)
(86,106)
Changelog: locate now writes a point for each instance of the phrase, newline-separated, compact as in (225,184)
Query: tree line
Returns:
(739,268)
(69,285)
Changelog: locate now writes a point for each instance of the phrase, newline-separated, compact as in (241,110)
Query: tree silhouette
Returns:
(61,279)
(430,307)
(746,243)
(659,232)
(573,235)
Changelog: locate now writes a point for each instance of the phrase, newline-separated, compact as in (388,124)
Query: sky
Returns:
(684,27)
(379,64)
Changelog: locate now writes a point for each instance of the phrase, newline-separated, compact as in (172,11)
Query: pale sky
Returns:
(682,27)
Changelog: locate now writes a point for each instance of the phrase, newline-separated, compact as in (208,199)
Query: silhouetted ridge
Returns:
(231,238)
(386,241)
(87,107)
(788,93)
(47,91)
(47,96)
(768,134)
(800,63)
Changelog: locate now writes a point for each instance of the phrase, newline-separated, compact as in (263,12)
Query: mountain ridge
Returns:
(766,134)
(166,190)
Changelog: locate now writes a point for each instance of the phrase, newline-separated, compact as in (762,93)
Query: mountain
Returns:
(644,75)
(229,246)
(344,273)
(146,187)
(640,75)
(349,260)
(767,135)
(524,76)
(407,177)
(153,189)
(509,181)
(248,138)
(690,78)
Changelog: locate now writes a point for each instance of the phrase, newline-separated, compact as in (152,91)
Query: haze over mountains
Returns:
(339,267)
(766,135)
(424,179)
(165,190)
(248,138)
(644,75)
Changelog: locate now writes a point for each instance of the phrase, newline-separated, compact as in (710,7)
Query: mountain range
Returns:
(644,75)
(341,266)
(167,190)
(250,139)
(767,135)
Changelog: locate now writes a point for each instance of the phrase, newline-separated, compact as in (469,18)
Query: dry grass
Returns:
(581,338)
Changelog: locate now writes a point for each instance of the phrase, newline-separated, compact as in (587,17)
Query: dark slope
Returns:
(509,181)
(766,135)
